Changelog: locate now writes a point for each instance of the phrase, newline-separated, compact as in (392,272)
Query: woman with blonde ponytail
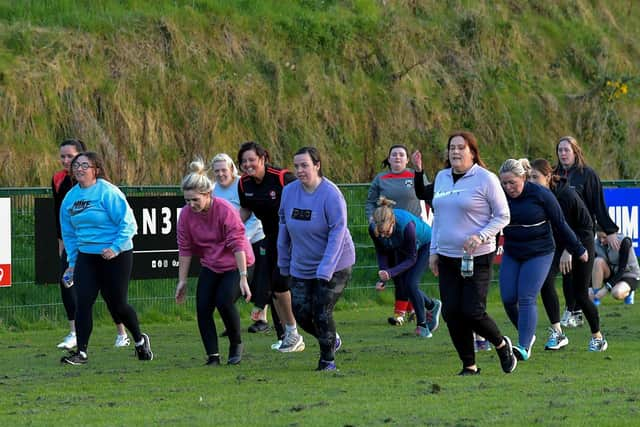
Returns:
(210,228)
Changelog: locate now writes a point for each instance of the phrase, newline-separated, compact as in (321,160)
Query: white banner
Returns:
(5,242)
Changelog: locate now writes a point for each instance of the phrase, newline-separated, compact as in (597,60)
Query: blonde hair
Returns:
(197,180)
(224,157)
(519,167)
(383,215)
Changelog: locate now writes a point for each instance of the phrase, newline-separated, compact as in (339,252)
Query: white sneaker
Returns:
(276,345)
(69,342)
(292,343)
(122,341)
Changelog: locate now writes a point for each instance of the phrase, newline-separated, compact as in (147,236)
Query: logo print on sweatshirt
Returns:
(408,183)
(79,206)
(272,194)
(301,214)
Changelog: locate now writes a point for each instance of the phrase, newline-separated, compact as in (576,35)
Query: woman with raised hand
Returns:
(226,187)
(260,190)
(97,227)
(579,220)
(315,250)
(407,238)
(469,210)
(211,228)
(396,183)
(61,182)
(529,246)
(585,181)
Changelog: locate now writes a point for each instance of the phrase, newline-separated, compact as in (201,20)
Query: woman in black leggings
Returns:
(579,220)
(97,229)
(210,228)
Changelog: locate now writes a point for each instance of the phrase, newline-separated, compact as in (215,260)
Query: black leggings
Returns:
(259,275)
(579,279)
(217,290)
(93,274)
(464,304)
(313,303)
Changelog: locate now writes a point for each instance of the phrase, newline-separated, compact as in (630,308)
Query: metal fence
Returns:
(27,301)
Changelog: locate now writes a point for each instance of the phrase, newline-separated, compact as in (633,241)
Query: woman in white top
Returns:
(226,187)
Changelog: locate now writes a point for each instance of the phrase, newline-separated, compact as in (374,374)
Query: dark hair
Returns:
(385,162)
(577,152)
(470,139)
(545,168)
(77,143)
(253,146)
(313,153)
(94,158)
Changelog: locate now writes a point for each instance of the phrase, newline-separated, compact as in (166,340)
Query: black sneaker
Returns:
(235,354)
(259,326)
(144,350)
(74,358)
(213,360)
(508,360)
(466,372)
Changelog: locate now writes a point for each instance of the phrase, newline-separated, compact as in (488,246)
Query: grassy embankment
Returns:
(151,84)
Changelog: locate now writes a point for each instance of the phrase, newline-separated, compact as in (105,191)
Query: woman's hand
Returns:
(613,242)
(416,160)
(380,286)
(244,288)
(585,256)
(384,275)
(472,243)
(181,292)
(565,262)
(433,264)
(108,254)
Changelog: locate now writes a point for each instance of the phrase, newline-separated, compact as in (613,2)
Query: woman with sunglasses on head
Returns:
(61,183)
(97,227)
(585,181)
(315,250)
(260,190)
(396,183)
(210,228)
(226,187)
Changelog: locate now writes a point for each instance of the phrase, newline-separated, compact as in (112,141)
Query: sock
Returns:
(83,354)
(291,329)
(139,343)
(401,308)
(423,324)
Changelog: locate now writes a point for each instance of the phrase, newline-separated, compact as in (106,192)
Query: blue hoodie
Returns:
(96,218)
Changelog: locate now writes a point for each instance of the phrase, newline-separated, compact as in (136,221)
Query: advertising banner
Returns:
(623,209)
(155,248)
(5,241)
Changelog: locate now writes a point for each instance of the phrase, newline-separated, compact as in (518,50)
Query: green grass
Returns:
(387,377)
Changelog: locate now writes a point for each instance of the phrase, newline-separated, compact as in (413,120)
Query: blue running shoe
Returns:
(629,299)
(433,315)
(556,340)
(324,365)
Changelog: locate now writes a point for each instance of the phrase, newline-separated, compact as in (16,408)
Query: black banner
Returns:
(155,249)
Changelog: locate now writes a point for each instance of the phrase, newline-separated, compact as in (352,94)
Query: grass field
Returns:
(386,377)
